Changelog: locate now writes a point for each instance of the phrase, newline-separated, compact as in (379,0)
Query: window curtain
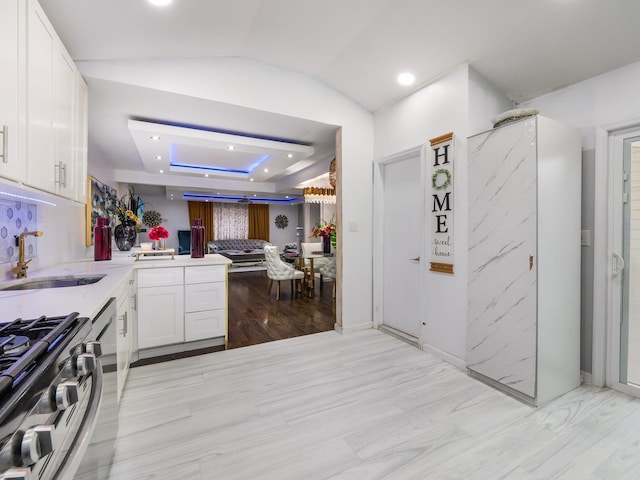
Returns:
(231,221)
(203,210)
(259,222)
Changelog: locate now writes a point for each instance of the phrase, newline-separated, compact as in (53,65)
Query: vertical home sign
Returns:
(441,203)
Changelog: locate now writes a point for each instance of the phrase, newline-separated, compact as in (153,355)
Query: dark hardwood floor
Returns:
(256,317)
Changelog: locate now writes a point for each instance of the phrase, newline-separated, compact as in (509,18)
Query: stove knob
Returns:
(36,443)
(67,393)
(17,474)
(86,363)
(95,348)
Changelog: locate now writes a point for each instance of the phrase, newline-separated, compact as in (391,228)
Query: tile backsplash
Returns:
(15,218)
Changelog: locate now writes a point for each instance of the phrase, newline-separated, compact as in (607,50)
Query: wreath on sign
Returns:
(282,221)
(434,179)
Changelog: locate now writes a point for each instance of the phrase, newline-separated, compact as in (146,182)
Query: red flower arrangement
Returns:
(159,232)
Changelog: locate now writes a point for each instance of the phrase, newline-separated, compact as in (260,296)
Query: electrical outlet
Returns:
(585,238)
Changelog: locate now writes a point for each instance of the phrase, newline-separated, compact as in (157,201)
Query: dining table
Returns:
(306,264)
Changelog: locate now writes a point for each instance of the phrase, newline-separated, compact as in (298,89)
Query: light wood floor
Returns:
(358,407)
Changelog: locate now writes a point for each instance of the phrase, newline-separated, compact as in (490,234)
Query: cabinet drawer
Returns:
(201,325)
(204,296)
(205,274)
(157,277)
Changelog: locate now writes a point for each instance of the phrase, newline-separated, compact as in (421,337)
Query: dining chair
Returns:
(329,270)
(278,270)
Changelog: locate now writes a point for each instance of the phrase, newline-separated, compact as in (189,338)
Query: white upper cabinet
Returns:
(41,49)
(12,166)
(81,138)
(54,129)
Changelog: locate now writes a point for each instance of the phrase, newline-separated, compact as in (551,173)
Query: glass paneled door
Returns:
(624,371)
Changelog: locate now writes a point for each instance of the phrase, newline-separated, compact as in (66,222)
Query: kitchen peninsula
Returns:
(164,305)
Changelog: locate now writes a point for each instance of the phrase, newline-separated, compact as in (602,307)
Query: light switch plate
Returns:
(353,226)
(585,238)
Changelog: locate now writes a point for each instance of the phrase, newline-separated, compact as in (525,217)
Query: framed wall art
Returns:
(98,204)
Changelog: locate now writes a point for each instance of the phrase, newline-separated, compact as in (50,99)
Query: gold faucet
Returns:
(21,269)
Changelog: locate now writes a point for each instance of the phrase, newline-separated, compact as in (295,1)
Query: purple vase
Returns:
(197,239)
(102,240)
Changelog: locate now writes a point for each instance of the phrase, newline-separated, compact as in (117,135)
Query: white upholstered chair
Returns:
(279,270)
(309,248)
(329,270)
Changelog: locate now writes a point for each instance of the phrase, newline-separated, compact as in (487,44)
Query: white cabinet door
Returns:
(123,326)
(12,166)
(160,315)
(501,336)
(81,138)
(203,325)
(41,49)
(64,119)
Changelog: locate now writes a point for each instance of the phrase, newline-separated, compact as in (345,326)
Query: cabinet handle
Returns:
(124,325)
(530,262)
(63,174)
(135,302)
(5,144)
(57,175)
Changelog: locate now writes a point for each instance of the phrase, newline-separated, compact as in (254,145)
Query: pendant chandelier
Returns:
(319,195)
(322,194)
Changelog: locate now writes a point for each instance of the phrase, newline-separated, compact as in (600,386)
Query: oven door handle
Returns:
(83,438)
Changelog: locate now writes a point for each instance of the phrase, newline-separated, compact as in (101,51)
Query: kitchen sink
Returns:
(54,282)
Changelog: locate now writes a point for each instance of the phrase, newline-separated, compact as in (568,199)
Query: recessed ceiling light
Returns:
(255,194)
(160,3)
(158,157)
(206,175)
(290,155)
(287,196)
(231,147)
(266,170)
(218,193)
(155,137)
(161,171)
(251,179)
(406,78)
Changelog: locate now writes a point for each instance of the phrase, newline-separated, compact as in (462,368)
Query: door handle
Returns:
(417,259)
(618,265)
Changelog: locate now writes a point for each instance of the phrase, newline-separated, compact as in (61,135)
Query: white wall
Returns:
(175,216)
(254,85)
(607,101)
(282,236)
(456,103)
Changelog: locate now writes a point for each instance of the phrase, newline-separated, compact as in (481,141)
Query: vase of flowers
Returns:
(324,230)
(125,209)
(159,234)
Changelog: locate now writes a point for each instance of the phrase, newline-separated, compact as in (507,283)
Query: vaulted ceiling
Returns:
(358,47)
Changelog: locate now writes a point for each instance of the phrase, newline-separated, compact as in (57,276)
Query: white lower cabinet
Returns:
(205,293)
(160,315)
(123,336)
(181,304)
(202,325)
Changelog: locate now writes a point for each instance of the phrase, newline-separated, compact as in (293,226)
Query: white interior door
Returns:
(402,245)
(624,301)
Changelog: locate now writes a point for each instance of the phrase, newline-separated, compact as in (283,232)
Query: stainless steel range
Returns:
(50,394)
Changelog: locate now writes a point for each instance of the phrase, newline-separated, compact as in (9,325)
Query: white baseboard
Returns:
(352,328)
(585,378)
(447,357)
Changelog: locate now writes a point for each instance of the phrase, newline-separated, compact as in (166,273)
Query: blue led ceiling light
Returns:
(211,169)
(208,196)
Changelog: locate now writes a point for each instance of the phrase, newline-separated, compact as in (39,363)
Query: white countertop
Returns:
(87,300)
